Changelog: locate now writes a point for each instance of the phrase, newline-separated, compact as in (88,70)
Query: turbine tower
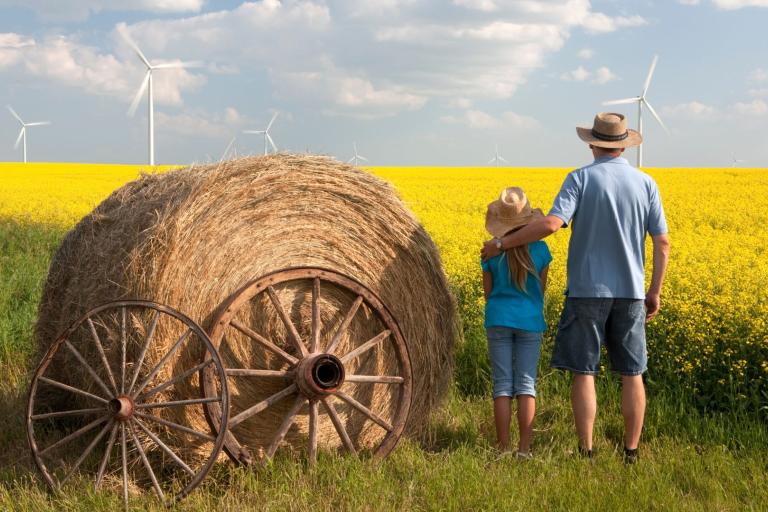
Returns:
(267,136)
(642,101)
(357,156)
(146,85)
(497,157)
(23,132)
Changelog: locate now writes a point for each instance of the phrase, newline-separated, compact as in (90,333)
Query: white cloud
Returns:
(600,76)
(758,93)
(79,10)
(479,120)
(689,2)
(756,107)
(599,23)
(739,4)
(197,123)
(586,53)
(758,75)
(692,109)
(480,5)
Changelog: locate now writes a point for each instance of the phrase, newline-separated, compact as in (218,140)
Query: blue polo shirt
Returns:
(507,306)
(611,206)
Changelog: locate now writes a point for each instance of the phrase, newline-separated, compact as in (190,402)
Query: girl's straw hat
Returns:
(610,131)
(512,210)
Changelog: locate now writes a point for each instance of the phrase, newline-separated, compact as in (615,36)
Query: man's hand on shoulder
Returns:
(652,305)
(490,249)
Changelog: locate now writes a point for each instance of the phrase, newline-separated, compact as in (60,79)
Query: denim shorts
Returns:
(589,323)
(514,360)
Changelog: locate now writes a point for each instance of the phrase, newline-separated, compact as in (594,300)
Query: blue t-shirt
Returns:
(610,206)
(507,306)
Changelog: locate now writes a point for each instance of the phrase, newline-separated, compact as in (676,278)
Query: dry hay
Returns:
(190,238)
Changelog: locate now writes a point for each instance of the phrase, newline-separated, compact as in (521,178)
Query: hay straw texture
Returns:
(191,238)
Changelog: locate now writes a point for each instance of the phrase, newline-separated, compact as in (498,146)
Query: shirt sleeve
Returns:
(546,255)
(567,200)
(657,222)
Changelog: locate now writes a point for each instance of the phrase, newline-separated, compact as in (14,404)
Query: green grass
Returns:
(691,460)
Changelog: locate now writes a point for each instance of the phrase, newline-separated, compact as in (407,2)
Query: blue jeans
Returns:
(514,360)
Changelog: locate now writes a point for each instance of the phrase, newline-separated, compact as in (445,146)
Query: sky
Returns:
(411,82)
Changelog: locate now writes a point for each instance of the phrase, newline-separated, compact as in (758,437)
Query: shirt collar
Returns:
(612,159)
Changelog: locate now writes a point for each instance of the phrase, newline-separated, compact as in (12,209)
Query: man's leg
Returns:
(584,402)
(633,408)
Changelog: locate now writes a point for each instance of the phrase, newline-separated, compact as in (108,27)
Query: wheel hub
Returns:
(319,374)
(122,407)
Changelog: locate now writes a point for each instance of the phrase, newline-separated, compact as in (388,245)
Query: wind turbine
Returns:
(146,85)
(357,156)
(23,132)
(226,151)
(641,102)
(497,157)
(267,136)
(736,161)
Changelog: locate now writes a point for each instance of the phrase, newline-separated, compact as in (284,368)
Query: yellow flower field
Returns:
(712,335)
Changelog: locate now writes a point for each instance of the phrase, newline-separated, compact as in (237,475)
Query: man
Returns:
(611,206)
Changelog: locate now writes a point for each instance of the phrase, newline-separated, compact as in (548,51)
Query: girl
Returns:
(514,283)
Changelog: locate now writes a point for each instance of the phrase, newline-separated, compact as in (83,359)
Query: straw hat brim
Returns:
(633,139)
(500,227)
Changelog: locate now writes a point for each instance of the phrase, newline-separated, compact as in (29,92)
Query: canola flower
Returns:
(711,337)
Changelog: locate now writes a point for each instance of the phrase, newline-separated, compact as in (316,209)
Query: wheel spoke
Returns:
(365,347)
(124,456)
(88,368)
(123,342)
(294,334)
(146,462)
(245,372)
(313,431)
(176,379)
(161,363)
(287,422)
(363,409)
(255,409)
(178,403)
(74,435)
(344,324)
(87,451)
(66,387)
(381,379)
(73,412)
(339,426)
(143,353)
(176,426)
(165,448)
(105,459)
(315,340)
(263,341)
(103,356)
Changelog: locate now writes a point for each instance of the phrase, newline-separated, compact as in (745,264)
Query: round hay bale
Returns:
(190,238)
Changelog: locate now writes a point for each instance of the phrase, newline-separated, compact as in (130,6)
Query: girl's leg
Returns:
(526,345)
(501,415)
(526,410)
(500,350)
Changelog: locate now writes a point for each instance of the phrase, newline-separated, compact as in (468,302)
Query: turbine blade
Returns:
(650,74)
(135,47)
(179,64)
(39,123)
(139,94)
(258,132)
(622,102)
(14,114)
(18,139)
(656,116)
(362,158)
(501,158)
(272,121)
(350,160)
(269,138)
(492,160)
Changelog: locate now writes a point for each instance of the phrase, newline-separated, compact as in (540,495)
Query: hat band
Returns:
(609,138)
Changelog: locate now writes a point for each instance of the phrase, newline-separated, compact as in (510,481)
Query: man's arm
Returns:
(534,231)
(660,259)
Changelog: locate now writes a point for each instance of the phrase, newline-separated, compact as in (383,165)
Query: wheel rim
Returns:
(133,404)
(314,370)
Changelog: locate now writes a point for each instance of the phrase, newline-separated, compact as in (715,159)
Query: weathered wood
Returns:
(294,334)
(316,327)
(380,379)
(144,459)
(263,341)
(313,417)
(267,402)
(102,355)
(344,325)
(339,426)
(285,425)
(363,409)
(368,345)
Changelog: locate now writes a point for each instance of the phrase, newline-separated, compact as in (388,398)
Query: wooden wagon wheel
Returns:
(109,401)
(311,374)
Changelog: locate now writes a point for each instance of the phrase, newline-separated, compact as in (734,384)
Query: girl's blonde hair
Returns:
(520,265)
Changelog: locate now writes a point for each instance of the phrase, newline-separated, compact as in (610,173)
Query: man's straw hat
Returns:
(512,210)
(610,131)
